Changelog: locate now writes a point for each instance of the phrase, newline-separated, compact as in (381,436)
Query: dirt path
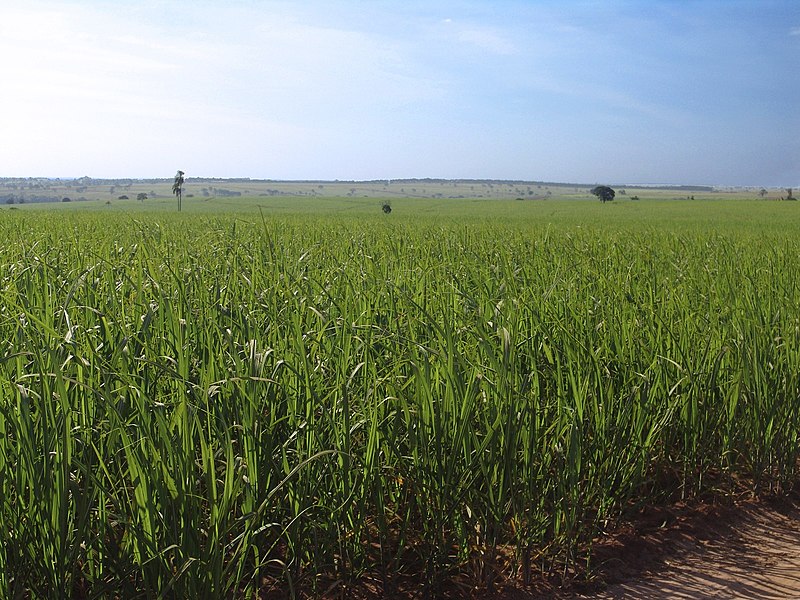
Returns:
(751,550)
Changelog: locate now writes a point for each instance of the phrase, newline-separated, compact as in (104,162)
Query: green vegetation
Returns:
(210,404)
(177,187)
(604,193)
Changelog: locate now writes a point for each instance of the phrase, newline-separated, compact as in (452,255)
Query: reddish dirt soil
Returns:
(748,548)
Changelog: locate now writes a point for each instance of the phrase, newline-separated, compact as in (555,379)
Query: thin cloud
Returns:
(309,90)
(487,39)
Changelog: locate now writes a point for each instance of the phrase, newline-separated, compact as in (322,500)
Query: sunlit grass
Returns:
(208,404)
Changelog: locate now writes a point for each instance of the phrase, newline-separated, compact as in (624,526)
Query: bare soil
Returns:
(748,548)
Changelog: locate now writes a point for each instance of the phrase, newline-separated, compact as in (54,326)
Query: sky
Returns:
(603,91)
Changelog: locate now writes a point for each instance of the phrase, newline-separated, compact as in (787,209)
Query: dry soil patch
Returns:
(749,550)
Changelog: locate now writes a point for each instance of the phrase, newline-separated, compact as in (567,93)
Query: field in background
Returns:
(31,190)
(301,393)
(719,211)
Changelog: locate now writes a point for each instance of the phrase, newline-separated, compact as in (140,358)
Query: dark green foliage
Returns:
(177,187)
(605,193)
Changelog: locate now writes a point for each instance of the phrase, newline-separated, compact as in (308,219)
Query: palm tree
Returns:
(177,187)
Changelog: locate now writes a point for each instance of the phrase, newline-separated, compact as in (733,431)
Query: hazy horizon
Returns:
(189,178)
(584,92)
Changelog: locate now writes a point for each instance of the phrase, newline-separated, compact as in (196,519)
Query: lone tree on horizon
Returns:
(177,187)
(605,193)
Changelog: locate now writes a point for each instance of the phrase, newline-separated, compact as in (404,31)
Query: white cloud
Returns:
(281,88)
(83,76)
(487,39)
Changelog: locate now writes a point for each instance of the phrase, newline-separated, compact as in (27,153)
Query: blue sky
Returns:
(676,91)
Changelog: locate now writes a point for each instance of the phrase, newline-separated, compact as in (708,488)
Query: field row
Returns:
(217,406)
